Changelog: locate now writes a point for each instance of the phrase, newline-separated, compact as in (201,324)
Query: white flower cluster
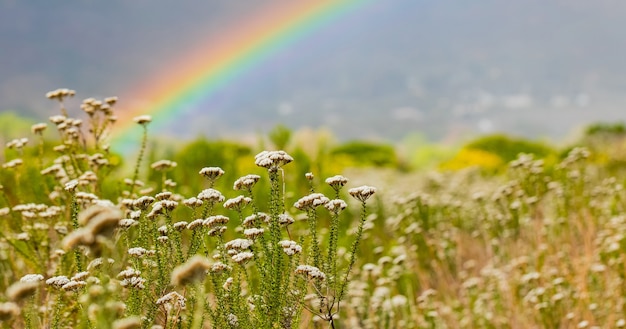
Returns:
(311,201)
(237,203)
(290,247)
(211,195)
(272,160)
(311,272)
(246,182)
(211,173)
(362,193)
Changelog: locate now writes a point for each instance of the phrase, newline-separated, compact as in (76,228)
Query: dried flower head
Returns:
(173,298)
(163,165)
(143,119)
(253,233)
(336,206)
(336,182)
(238,244)
(311,272)
(242,257)
(21,290)
(290,247)
(311,201)
(237,203)
(133,322)
(272,160)
(8,311)
(38,128)
(211,195)
(192,271)
(362,193)
(57,281)
(211,173)
(246,182)
(32,278)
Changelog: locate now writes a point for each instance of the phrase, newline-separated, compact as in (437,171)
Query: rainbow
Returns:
(221,60)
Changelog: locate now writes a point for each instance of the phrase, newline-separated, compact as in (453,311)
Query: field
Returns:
(504,233)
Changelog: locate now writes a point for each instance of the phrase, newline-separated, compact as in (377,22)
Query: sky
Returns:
(383,69)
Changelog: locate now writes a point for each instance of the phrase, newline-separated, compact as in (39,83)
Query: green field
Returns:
(497,233)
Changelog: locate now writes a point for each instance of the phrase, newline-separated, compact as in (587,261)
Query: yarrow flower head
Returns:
(311,272)
(272,160)
(362,193)
(311,201)
(237,203)
(290,247)
(336,206)
(246,182)
(143,119)
(336,182)
(194,270)
(211,195)
(211,173)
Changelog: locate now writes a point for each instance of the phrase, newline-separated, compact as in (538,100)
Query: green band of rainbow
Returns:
(219,63)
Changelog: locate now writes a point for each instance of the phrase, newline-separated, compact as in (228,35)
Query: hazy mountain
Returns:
(443,68)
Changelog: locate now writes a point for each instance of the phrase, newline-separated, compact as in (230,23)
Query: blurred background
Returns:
(385,70)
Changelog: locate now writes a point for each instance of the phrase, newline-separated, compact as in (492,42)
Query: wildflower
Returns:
(195,223)
(180,226)
(163,165)
(253,219)
(143,119)
(309,176)
(80,276)
(362,193)
(32,278)
(81,236)
(137,251)
(285,219)
(238,244)
(272,160)
(129,273)
(57,281)
(38,128)
(193,202)
(253,233)
(133,322)
(21,290)
(127,223)
(311,272)
(233,321)
(216,220)
(246,182)
(172,297)
(311,201)
(211,173)
(290,247)
(211,195)
(100,220)
(228,283)
(335,206)
(133,282)
(219,267)
(71,185)
(13,164)
(8,311)
(242,257)
(336,182)
(74,285)
(143,202)
(192,271)
(163,196)
(237,203)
